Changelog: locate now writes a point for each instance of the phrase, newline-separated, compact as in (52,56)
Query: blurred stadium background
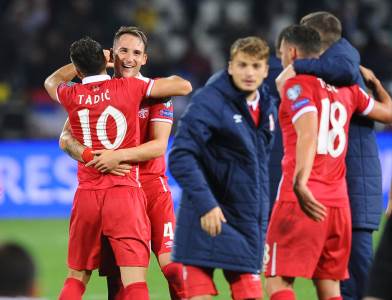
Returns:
(186,37)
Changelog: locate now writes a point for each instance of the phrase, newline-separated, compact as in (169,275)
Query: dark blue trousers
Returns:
(361,259)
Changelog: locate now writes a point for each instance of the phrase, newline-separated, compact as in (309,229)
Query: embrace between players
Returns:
(118,131)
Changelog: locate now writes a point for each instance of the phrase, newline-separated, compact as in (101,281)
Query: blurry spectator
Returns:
(17,272)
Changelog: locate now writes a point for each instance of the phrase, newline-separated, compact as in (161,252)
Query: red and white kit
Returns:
(103,114)
(292,236)
(154,181)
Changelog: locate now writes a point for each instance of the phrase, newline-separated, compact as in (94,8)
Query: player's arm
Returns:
(106,160)
(81,153)
(64,74)
(382,110)
(170,86)
(338,70)
(69,144)
(306,129)
(388,212)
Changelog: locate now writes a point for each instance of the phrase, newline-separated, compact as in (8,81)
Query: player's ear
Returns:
(144,59)
(111,55)
(293,53)
(229,68)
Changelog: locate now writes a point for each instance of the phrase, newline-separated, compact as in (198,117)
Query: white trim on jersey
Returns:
(95,78)
(273,263)
(150,85)
(279,187)
(302,111)
(161,120)
(369,108)
(163,184)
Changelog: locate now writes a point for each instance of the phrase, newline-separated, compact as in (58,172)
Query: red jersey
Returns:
(334,107)
(103,115)
(148,113)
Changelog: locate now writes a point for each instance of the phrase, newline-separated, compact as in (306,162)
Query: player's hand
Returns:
(109,60)
(388,211)
(370,78)
(105,160)
(286,74)
(309,205)
(121,170)
(211,222)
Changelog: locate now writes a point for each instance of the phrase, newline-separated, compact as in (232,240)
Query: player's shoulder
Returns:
(302,79)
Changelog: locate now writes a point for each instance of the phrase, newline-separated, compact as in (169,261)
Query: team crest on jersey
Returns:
(294,92)
(143,113)
(168,104)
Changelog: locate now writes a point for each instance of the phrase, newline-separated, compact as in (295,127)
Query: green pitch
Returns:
(47,241)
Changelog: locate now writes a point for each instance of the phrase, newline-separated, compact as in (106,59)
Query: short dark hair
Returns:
(252,46)
(17,271)
(305,38)
(87,56)
(328,26)
(132,30)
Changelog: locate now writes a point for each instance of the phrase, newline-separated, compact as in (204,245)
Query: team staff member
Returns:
(220,159)
(130,54)
(106,205)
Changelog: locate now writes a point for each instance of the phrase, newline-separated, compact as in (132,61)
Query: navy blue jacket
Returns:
(339,65)
(219,158)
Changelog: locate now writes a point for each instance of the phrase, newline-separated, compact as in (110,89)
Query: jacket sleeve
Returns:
(193,132)
(337,70)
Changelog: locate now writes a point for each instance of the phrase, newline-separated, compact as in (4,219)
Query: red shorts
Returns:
(297,246)
(198,281)
(119,214)
(160,211)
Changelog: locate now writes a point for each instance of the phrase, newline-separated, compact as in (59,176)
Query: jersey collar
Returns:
(254,103)
(95,78)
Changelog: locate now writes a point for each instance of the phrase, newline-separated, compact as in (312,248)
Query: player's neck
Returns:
(252,96)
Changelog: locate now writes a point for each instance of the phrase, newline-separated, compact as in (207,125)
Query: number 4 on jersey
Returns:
(168,230)
(326,136)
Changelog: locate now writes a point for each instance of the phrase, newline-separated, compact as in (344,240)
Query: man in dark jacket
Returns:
(339,65)
(220,160)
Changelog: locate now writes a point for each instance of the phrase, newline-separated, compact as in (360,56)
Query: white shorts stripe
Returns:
(163,183)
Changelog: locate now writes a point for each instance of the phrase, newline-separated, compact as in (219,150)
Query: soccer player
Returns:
(309,234)
(130,54)
(103,114)
(220,159)
(339,65)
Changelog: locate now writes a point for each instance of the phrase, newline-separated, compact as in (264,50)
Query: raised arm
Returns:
(382,110)
(170,86)
(64,74)
(306,129)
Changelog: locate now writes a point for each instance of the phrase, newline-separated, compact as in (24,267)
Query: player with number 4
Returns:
(103,113)
(309,234)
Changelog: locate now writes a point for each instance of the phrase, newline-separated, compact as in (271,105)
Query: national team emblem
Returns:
(168,104)
(294,92)
(237,118)
(143,113)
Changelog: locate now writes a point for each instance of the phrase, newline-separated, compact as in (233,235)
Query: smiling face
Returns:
(248,72)
(129,55)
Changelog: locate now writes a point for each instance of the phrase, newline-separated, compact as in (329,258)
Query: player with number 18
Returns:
(309,234)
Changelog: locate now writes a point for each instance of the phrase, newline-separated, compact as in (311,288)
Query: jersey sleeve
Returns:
(140,86)
(364,102)
(297,98)
(62,92)
(162,112)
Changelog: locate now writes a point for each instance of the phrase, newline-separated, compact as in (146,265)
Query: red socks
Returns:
(287,294)
(174,277)
(336,298)
(135,291)
(73,289)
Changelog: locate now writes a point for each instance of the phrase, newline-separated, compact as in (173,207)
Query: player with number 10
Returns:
(103,113)
(309,234)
